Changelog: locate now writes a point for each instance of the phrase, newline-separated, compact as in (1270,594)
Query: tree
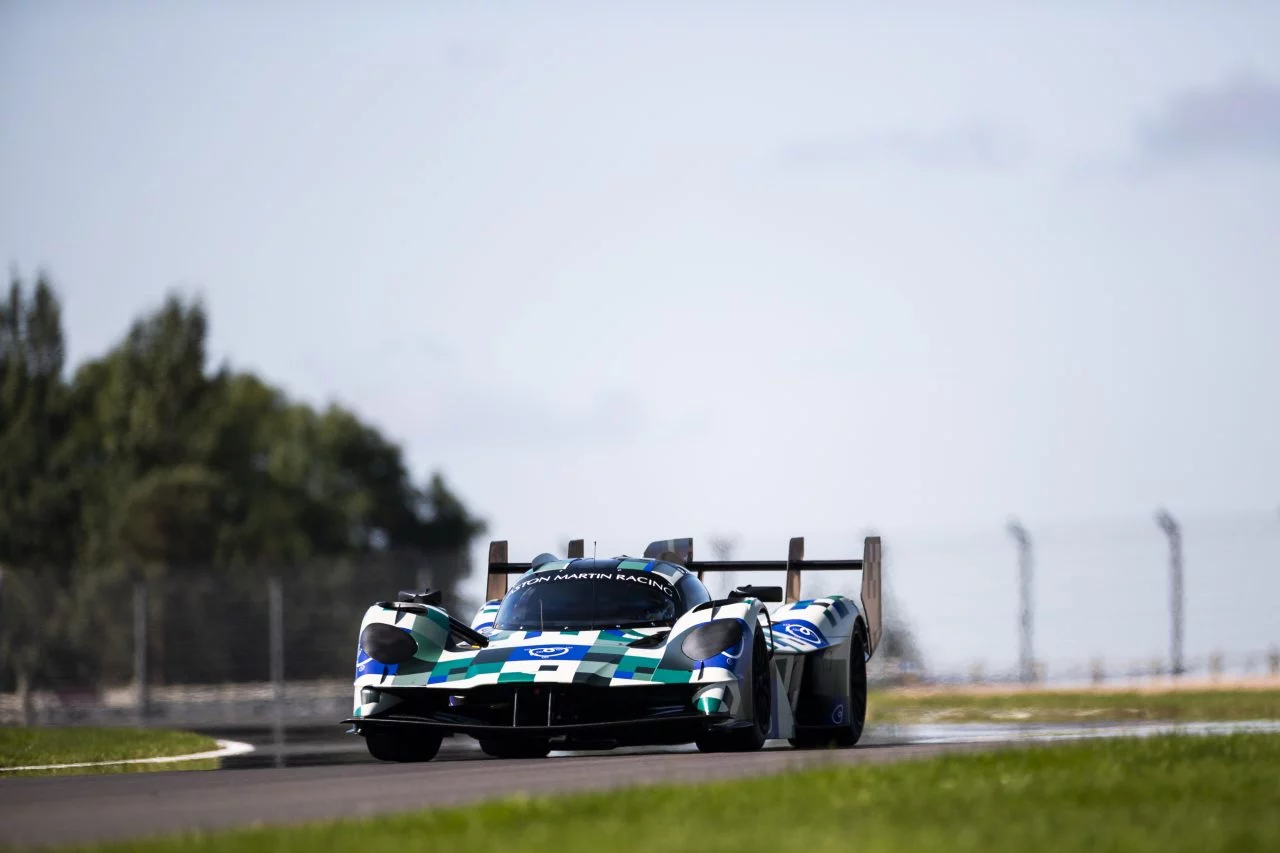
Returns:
(34,498)
(142,409)
(37,504)
(445,532)
(151,465)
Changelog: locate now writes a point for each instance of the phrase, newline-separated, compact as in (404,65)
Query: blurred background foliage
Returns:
(149,464)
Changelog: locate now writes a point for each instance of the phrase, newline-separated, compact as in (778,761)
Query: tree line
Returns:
(150,464)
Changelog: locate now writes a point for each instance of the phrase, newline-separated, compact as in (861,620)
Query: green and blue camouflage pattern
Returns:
(607,658)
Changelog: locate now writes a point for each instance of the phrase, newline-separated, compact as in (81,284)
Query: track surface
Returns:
(313,773)
(45,811)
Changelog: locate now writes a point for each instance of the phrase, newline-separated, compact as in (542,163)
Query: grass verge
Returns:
(894,707)
(25,746)
(1164,794)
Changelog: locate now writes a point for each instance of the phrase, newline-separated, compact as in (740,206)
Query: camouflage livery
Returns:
(607,685)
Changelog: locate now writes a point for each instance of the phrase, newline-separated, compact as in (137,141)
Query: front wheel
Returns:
(856,711)
(391,745)
(848,732)
(749,738)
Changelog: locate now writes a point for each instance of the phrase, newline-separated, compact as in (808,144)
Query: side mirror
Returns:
(772,594)
(434,597)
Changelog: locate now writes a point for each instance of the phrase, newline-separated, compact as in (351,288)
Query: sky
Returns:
(640,270)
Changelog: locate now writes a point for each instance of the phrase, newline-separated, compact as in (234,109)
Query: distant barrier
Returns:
(193,645)
(1206,670)
(186,645)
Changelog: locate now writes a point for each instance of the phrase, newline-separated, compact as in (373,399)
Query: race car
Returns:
(585,653)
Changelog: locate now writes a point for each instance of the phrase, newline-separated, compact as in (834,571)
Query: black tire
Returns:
(856,709)
(391,745)
(748,738)
(506,748)
(850,732)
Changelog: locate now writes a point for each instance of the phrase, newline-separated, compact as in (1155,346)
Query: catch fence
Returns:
(192,645)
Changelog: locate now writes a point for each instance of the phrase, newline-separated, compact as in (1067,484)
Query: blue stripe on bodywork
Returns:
(366,665)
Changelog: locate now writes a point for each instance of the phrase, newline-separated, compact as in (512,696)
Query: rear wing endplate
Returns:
(681,551)
(869,565)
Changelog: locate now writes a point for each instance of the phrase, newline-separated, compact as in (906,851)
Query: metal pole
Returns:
(141,695)
(1026,655)
(275,599)
(1174,532)
(275,644)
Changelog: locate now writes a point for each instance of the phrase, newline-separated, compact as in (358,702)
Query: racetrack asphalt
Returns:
(49,811)
(315,772)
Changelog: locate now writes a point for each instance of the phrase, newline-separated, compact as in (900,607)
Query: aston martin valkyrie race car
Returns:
(592,653)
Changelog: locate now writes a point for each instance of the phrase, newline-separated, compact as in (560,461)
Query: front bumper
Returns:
(625,716)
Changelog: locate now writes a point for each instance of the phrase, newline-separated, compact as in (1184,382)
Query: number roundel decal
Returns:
(803,632)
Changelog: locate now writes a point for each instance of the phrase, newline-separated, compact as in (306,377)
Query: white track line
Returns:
(225,748)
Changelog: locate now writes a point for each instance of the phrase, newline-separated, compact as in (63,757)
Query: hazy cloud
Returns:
(973,145)
(1239,118)
(472,57)
(492,417)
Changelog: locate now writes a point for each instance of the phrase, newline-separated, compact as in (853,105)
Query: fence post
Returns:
(1026,618)
(141,689)
(275,628)
(275,605)
(1174,532)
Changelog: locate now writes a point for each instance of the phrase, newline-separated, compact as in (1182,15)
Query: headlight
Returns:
(709,640)
(387,643)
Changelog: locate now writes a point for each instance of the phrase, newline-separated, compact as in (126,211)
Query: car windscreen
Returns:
(557,601)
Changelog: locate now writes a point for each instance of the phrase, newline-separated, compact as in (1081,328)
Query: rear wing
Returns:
(680,551)
(500,567)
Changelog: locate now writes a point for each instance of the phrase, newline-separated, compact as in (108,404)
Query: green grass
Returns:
(891,707)
(1164,794)
(25,746)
